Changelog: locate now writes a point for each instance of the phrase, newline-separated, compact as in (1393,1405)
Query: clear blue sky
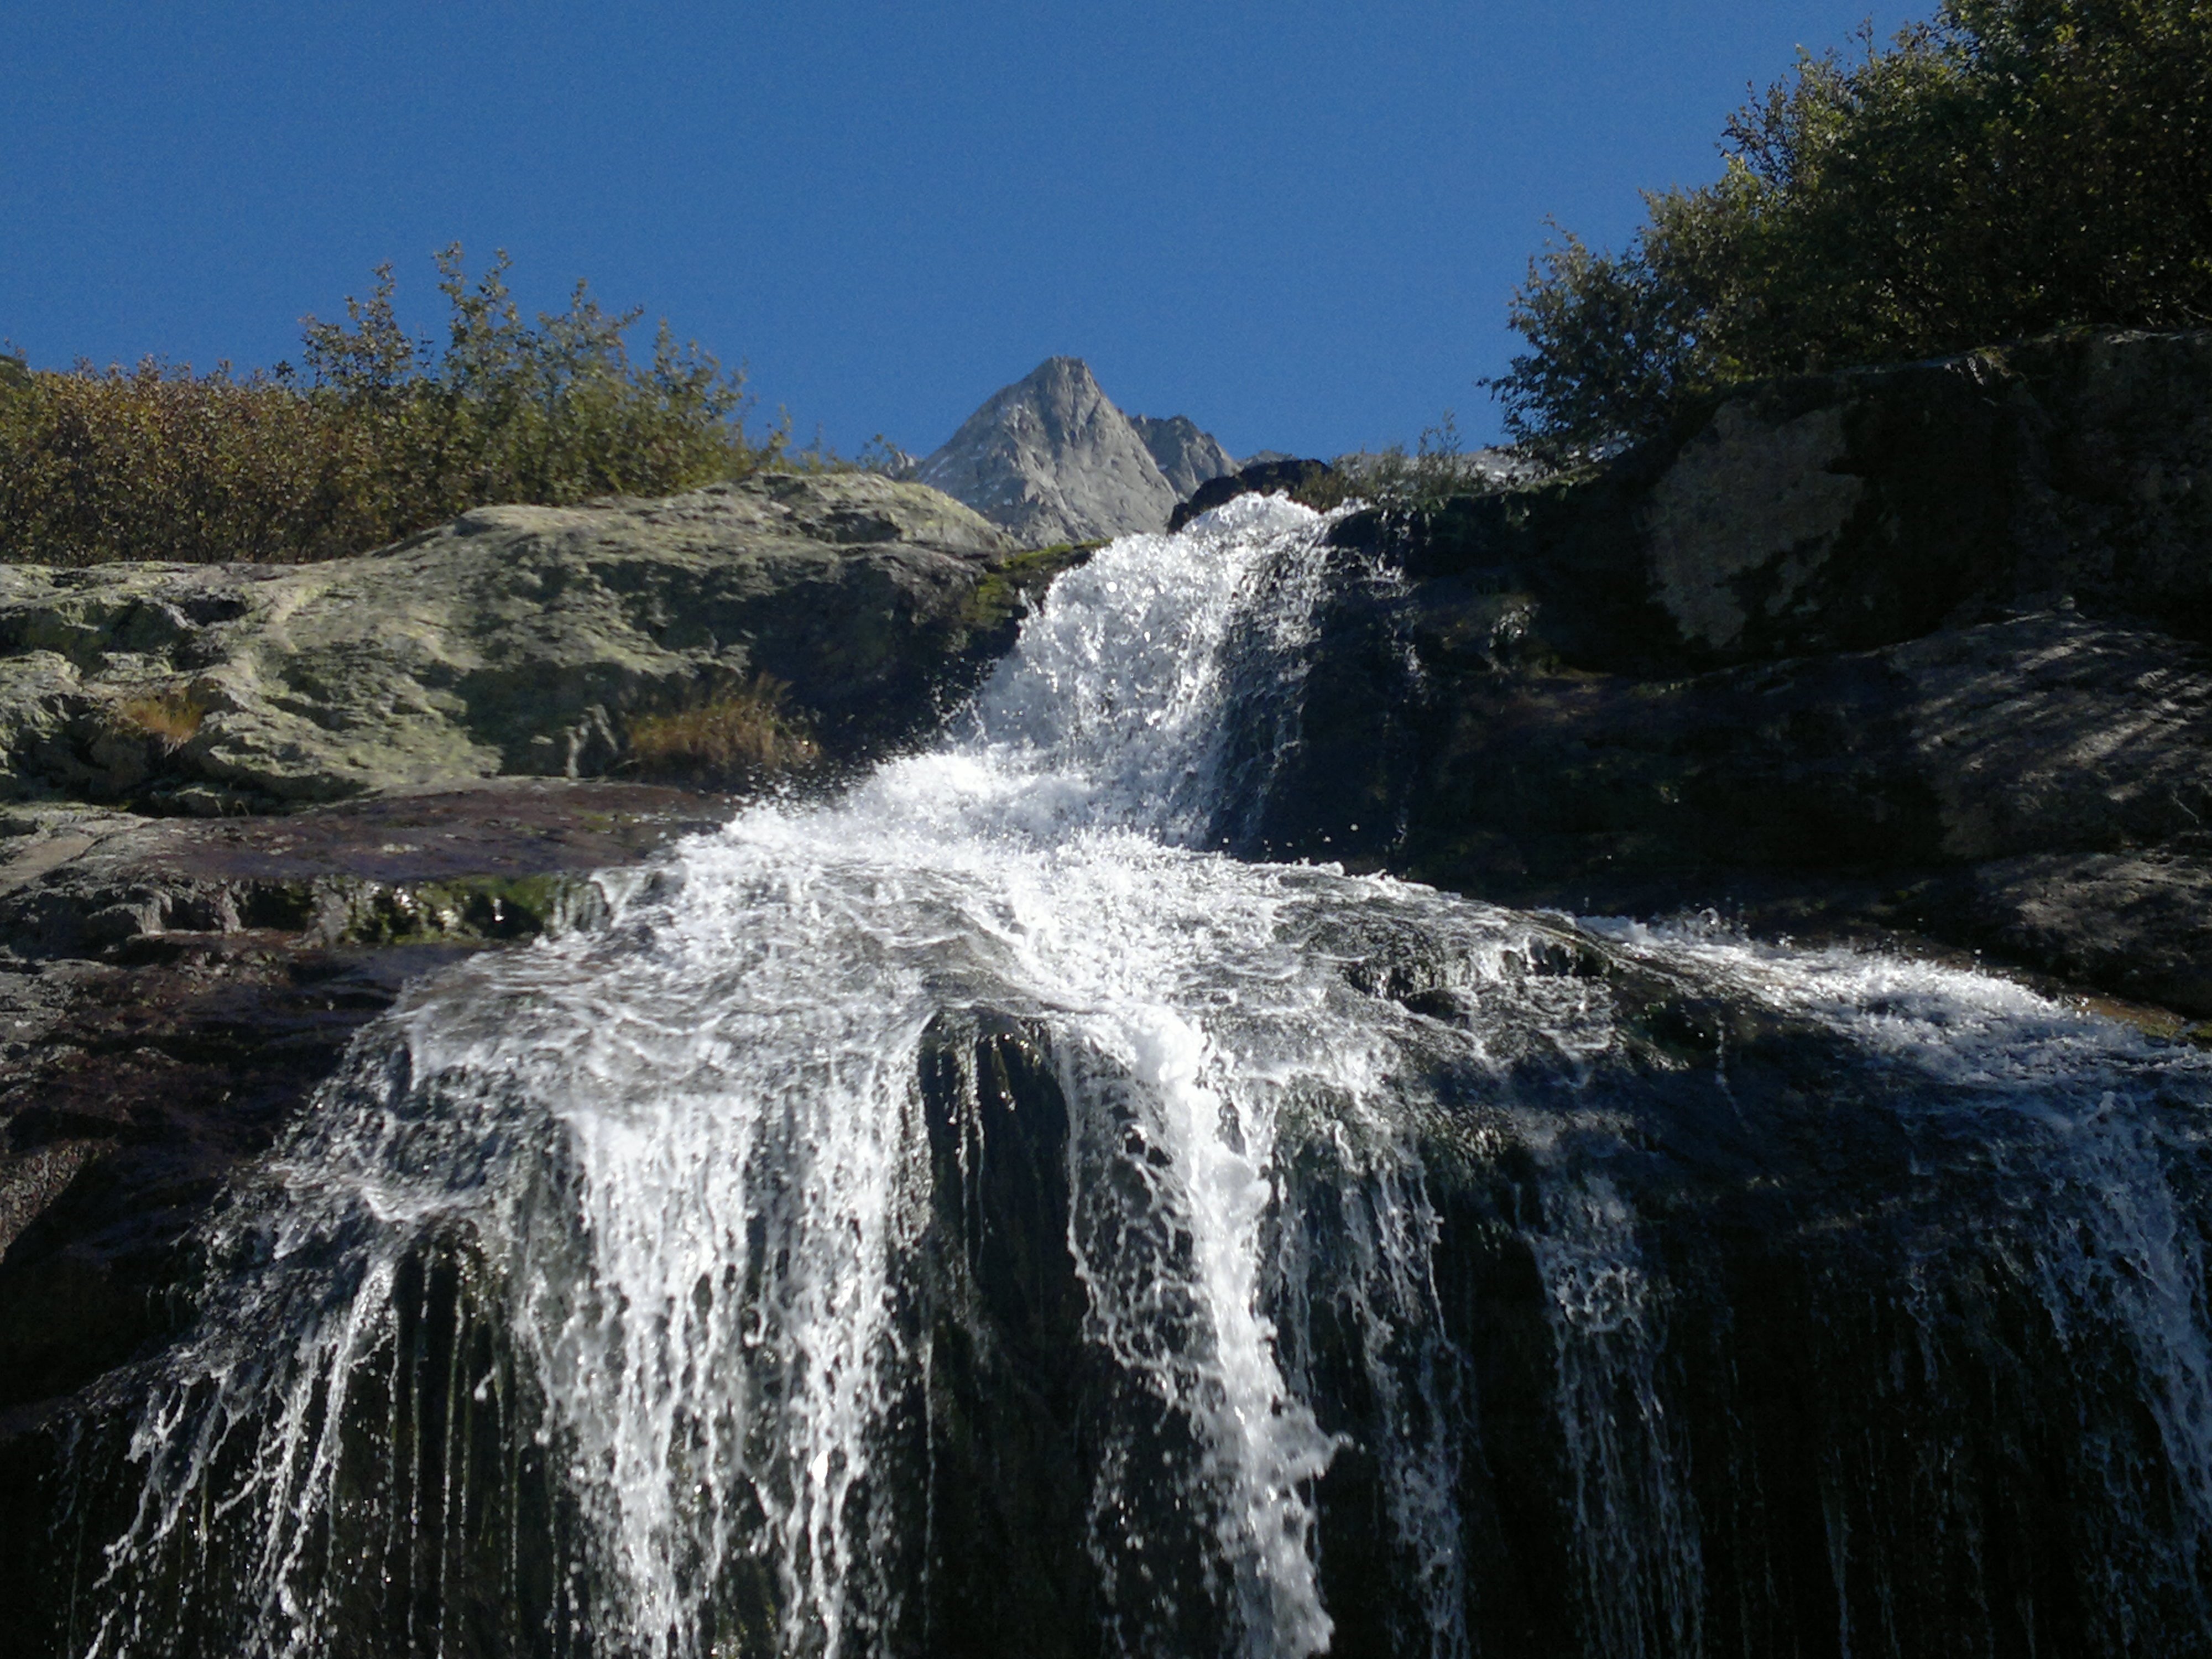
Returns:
(1297,223)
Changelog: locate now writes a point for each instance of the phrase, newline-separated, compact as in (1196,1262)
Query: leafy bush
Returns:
(376,436)
(2013,167)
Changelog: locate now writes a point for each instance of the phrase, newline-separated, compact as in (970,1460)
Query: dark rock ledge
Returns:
(1922,653)
(173,990)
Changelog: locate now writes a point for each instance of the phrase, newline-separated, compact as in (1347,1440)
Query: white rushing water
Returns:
(686,1152)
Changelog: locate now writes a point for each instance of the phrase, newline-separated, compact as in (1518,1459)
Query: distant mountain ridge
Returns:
(1187,457)
(1050,458)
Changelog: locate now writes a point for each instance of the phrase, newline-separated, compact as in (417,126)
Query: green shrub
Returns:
(1437,470)
(2013,167)
(377,435)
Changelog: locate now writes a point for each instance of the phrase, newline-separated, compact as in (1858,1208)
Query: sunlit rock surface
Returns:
(516,639)
(1186,456)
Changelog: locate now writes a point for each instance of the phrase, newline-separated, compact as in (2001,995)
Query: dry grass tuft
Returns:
(738,740)
(170,716)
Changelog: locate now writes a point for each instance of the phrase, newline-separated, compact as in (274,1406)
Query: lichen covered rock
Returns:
(515,641)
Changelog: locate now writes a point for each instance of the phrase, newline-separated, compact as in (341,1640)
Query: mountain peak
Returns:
(1050,458)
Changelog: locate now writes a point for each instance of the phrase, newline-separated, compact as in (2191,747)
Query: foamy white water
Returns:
(686,1153)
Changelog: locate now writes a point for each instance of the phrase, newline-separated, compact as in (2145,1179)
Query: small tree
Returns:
(2014,166)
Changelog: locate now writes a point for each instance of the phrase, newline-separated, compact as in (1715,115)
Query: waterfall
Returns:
(981,1214)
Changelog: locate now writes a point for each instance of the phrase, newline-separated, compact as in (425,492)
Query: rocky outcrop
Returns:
(515,641)
(1878,651)
(173,987)
(1051,460)
(1921,649)
(1853,511)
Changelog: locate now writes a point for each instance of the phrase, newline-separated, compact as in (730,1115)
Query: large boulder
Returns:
(1855,510)
(515,641)
(1254,478)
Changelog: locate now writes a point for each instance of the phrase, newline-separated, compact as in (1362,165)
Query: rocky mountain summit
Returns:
(1049,459)
(1187,457)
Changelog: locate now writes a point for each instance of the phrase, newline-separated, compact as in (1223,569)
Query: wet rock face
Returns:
(2138,923)
(1719,1366)
(2039,733)
(1915,648)
(1000,1310)
(1722,1336)
(135,1087)
(1709,1355)
(515,640)
(172,991)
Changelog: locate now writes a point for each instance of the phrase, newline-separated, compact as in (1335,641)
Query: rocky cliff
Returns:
(359,772)
(1921,653)
(1921,649)
(1051,460)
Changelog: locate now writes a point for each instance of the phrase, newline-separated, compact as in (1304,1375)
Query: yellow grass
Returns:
(739,739)
(170,716)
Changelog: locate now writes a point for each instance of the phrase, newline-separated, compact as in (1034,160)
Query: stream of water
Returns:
(1418,1277)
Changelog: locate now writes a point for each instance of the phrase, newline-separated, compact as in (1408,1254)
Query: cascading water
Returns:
(981,1215)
